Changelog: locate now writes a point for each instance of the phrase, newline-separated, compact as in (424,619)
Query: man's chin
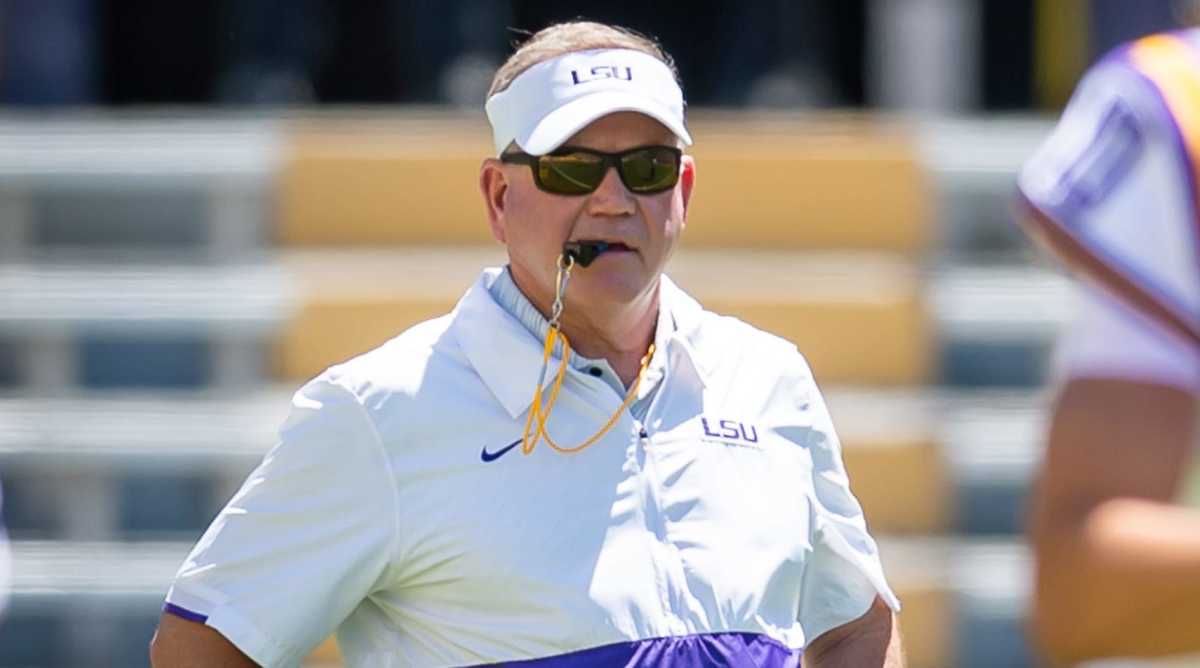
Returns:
(599,284)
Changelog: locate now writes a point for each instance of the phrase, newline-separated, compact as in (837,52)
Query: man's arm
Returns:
(871,641)
(180,643)
(1118,566)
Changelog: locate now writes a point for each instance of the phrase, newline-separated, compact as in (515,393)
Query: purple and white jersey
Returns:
(1112,192)
(399,509)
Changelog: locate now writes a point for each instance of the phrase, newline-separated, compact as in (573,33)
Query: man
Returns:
(1113,193)
(576,466)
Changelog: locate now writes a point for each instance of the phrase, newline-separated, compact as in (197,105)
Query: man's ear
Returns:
(687,180)
(493,184)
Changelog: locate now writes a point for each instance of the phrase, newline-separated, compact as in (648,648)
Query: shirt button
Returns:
(596,371)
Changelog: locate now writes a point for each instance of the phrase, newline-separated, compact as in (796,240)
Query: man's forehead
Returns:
(622,129)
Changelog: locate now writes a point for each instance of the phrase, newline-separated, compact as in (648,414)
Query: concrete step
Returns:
(997,324)
(103,324)
(203,187)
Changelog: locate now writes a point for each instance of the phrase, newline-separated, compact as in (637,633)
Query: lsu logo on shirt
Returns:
(730,431)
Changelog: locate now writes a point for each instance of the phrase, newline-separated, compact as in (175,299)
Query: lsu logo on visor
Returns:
(600,72)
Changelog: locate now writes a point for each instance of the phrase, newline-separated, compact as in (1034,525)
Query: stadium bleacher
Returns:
(166,283)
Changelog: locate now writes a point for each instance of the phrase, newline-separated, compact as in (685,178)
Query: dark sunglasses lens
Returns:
(650,170)
(570,173)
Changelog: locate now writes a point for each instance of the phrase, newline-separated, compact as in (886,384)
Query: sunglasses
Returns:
(578,171)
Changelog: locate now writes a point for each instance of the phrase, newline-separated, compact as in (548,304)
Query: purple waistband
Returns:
(713,650)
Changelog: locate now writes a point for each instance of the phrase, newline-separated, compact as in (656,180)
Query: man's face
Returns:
(534,224)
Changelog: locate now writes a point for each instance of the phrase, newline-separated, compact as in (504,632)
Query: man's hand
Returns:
(871,641)
(180,643)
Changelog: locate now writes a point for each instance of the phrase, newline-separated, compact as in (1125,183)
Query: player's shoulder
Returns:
(1135,79)
(1143,59)
(1116,118)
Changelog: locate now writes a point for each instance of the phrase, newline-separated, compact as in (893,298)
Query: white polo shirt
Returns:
(1113,192)
(718,529)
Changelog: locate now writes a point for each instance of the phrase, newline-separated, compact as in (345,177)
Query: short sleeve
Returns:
(304,540)
(844,573)
(1148,353)
(1110,194)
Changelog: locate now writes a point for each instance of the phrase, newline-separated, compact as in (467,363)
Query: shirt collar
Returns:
(510,298)
(504,345)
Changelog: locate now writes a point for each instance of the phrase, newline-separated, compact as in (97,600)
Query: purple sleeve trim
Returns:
(184,613)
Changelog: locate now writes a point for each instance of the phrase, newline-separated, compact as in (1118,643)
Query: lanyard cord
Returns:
(539,414)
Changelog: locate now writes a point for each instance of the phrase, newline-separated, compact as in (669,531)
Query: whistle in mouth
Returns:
(584,252)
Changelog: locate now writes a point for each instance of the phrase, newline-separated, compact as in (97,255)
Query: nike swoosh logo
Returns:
(493,456)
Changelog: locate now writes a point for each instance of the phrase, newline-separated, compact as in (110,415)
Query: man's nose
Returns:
(611,198)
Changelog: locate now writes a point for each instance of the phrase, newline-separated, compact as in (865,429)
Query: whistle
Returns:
(584,252)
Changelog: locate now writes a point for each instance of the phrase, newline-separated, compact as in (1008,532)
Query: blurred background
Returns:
(203,204)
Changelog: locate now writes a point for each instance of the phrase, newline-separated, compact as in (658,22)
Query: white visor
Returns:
(553,100)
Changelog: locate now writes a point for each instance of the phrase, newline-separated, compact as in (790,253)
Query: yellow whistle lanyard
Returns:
(539,413)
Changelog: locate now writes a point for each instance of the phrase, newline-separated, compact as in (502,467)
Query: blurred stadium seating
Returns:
(167,281)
